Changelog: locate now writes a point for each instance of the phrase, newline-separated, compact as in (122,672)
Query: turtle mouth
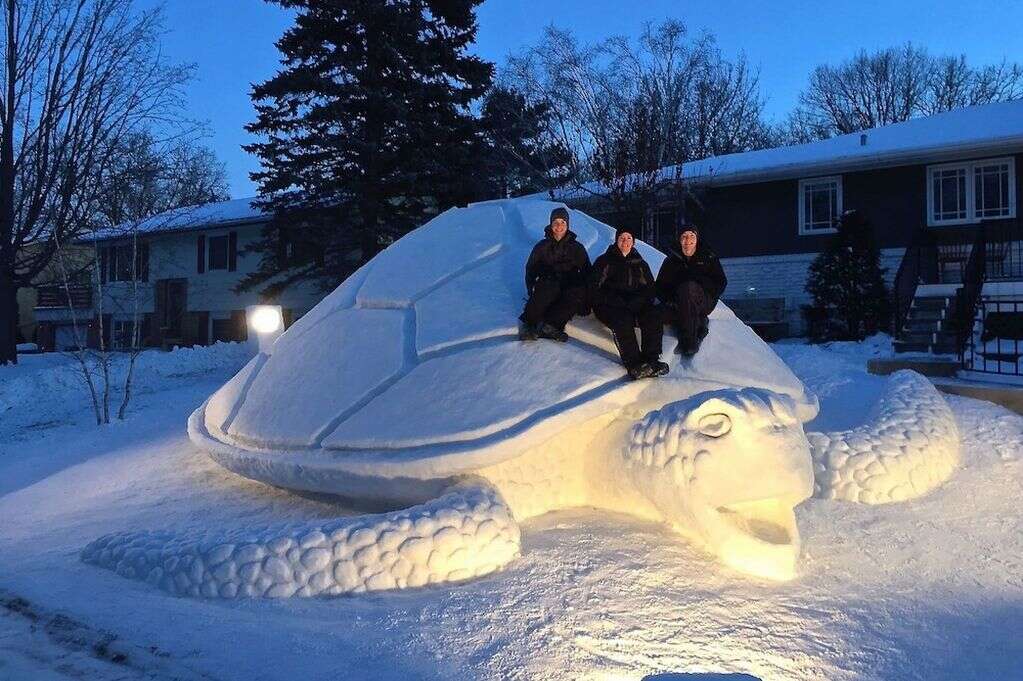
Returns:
(756,537)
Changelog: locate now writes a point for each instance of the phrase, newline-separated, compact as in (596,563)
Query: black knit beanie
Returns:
(688,228)
(559,212)
(624,230)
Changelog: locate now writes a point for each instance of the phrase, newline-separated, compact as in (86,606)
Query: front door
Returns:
(170,307)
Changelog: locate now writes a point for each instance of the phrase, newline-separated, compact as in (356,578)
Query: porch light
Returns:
(268,323)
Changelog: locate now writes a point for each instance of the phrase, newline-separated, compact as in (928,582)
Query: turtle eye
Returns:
(715,425)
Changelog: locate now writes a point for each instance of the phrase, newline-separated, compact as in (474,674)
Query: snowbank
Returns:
(925,590)
(49,389)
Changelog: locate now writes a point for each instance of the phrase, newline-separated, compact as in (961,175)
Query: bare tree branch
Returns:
(78,76)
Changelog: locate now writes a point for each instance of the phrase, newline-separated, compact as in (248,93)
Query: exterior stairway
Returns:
(929,327)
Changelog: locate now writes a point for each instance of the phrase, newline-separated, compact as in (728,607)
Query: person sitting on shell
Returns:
(556,274)
(689,284)
(622,293)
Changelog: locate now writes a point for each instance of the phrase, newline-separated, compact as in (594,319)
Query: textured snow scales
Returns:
(729,466)
(465,533)
(908,446)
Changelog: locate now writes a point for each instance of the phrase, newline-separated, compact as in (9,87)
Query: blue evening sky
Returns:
(231,43)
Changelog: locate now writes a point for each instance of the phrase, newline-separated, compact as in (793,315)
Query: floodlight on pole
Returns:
(267,322)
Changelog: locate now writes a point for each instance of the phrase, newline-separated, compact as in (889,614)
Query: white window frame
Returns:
(837,179)
(971,184)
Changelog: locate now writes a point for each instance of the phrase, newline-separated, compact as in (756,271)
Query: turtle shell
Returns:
(410,368)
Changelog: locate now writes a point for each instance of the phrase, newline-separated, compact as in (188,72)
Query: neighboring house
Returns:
(176,274)
(75,260)
(932,187)
(26,315)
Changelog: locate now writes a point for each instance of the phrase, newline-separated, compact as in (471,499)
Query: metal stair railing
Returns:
(968,294)
(908,277)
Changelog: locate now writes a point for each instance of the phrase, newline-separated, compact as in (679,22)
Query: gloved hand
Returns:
(613,300)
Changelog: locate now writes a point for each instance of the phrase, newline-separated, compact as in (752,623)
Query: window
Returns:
(659,229)
(124,335)
(227,330)
(991,190)
(118,262)
(218,250)
(949,188)
(297,246)
(961,193)
(820,205)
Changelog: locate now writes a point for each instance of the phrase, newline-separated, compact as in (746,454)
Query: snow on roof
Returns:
(968,129)
(205,216)
(978,129)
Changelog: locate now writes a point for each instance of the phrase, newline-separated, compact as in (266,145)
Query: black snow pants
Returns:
(554,303)
(623,323)
(688,313)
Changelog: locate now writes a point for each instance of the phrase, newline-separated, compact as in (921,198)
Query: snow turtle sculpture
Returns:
(405,389)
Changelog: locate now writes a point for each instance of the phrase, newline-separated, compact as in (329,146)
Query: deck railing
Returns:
(995,344)
(1005,250)
(906,280)
(76,296)
(944,256)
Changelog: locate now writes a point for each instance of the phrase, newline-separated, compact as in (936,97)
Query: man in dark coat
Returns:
(555,281)
(689,284)
(622,292)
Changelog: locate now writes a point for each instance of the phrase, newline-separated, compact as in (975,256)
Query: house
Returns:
(26,298)
(72,260)
(175,273)
(941,192)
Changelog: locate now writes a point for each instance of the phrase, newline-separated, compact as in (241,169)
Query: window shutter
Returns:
(200,251)
(143,264)
(241,328)
(104,264)
(232,251)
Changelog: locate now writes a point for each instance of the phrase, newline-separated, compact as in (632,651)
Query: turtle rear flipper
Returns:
(466,532)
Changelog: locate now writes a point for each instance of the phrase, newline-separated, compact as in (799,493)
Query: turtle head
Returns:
(727,467)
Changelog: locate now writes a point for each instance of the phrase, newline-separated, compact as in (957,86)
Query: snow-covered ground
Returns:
(928,589)
(49,390)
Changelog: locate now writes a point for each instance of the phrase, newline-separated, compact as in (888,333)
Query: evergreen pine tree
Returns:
(366,131)
(522,155)
(847,278)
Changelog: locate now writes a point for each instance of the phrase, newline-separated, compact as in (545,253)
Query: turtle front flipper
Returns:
(466,532)
(907,447)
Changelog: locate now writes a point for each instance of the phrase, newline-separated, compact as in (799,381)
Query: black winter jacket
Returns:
(703,267)
(565,260)
(621,281)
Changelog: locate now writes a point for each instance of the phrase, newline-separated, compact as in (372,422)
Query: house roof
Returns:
(189,218)
(983,129)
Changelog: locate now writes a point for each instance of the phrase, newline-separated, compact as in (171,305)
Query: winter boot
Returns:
(527,332)
(552,332)
(638,371)
(658,368)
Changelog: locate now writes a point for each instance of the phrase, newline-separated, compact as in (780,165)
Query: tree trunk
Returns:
(8,321)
